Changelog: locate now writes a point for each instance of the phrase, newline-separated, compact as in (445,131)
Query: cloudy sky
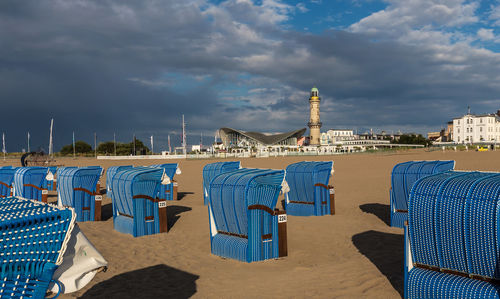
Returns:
(134,67)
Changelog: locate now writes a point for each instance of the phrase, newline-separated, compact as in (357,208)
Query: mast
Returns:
(50,138)
(183,136)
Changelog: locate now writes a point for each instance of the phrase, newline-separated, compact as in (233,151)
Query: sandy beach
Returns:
(351,254)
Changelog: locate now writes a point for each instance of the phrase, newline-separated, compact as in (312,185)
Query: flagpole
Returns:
(3,147)
(74,149)
(29,142)
(95,144)
(51,149)
(114,141)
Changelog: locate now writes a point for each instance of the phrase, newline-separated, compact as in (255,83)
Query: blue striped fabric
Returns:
(212,170)
(71,178)
(32,237)
(129,214)
(301,178)
(6,179)
(239,231)
(29,175)
(166,192)
(454,222)
(403,176)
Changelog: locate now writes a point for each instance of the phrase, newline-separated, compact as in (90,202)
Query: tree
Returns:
(81,147)
(107,147)
(412,139)
(123,149)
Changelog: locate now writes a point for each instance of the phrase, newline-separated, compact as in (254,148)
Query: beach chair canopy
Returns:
(33,240)
(6,179)
(77,188)
(214,169)
(242,217)
(453,236)
(309,191)
(28,182)
(403,176)
(135,207)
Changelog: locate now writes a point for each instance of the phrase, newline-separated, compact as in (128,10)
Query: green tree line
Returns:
(412,139)
(107,148)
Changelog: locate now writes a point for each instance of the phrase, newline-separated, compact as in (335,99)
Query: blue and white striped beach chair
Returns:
(29,183)
(214,169)
(403,176)
(451,241)
(110,172)
(6,179)
(77,188)
(244,224)
(310,193)
(168,191)
(33,238)
(136,210)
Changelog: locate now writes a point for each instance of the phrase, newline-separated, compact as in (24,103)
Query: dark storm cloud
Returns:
(120,66)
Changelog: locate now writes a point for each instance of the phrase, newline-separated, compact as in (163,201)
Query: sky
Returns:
(134,67)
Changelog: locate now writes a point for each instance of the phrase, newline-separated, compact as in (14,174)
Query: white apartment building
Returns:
(472,128)
(336,135)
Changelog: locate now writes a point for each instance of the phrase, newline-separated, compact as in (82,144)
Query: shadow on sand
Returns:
(386,252)
(379,210)
(173,214)
(158,281)
(181,195)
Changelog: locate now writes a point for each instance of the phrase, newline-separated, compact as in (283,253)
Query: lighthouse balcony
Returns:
(314,124)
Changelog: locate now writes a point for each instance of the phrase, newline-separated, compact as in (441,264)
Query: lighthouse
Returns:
(314,122)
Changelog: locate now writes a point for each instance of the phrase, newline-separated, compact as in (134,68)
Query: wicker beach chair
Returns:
(451,240)
(310,193)
(403,176)
(136,210)
(110,172)
(33,238)
(78,189)
(6,179)
(29,183)
(214,169)
(243,222)
(168,191)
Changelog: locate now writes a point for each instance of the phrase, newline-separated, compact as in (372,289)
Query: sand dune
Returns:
(351,254)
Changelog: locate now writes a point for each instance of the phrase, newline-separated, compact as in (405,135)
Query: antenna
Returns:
(50,138)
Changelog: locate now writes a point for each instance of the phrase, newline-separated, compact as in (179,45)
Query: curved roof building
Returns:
(233,137)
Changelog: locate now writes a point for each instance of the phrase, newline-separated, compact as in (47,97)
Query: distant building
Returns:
(471,128)
(236,138)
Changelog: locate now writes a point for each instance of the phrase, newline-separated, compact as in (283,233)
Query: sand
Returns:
(353,254)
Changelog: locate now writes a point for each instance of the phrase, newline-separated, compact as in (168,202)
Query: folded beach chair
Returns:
(6,179)
(244,224)
(78,189)
(168,191)
(29,183)
(310,194)
(214,169)
(403,176)
(451,241)
(51,180)
(136,210)
(33,238)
